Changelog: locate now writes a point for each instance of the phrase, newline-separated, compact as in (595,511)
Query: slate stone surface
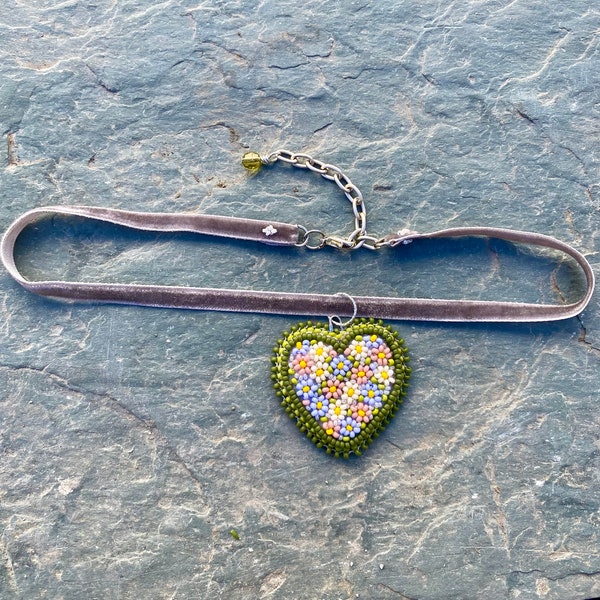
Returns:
(133,441)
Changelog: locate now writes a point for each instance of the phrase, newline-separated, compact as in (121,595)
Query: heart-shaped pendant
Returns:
(341,387)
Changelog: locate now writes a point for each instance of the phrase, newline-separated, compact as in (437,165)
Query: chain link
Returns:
(358,237)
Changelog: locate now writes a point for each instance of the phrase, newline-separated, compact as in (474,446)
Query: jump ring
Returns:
(335,321)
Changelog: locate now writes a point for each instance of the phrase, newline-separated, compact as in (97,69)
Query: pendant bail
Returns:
(336,321)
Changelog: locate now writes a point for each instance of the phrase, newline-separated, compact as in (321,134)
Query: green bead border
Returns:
(316,332)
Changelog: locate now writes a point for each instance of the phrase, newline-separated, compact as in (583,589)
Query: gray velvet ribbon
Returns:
(270,232)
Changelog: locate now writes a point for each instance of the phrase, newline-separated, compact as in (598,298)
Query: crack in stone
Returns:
(557,577)
(151,426)
(583,329)
(583,334)
(572,153)
(401,595)
(323,128)
(101,83)
(394,445)
(555,287)
(148,424)
(234,136)
(525,116)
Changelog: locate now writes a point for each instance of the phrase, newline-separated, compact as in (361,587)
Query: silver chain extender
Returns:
(316,239)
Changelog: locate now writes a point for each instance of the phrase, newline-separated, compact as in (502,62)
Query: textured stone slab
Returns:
(134,441)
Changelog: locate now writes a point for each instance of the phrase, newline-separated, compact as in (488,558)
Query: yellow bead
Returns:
(252,162)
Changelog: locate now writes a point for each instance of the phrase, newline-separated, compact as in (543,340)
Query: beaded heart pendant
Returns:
(341,387)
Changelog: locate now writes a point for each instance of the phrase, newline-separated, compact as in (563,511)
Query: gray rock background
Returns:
(133,440)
